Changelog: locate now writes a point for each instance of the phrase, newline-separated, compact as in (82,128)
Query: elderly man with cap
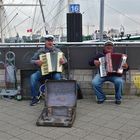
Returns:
(35,77)
(98,81)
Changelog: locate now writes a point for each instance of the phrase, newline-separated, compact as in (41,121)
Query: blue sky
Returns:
(117,13)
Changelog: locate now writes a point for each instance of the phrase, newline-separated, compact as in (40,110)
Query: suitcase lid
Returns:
(61,93)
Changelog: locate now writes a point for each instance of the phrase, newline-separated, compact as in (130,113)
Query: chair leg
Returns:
(41,90)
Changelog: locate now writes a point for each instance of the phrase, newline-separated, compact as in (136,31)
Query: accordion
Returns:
(51,62)
(112,63)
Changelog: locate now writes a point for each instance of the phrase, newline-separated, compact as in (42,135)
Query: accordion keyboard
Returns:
(102,67)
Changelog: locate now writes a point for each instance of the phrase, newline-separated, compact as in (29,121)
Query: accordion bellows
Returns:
(112,63)
(51,62)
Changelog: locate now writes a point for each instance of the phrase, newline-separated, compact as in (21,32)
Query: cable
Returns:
(32,13)
(57,20)
(16,8)
(34,16)
(8,28)
(37,21)
(4,12)
(53,8)
(123,14)
(12,12)
(51,12)
(20,23)
(9,22)
(58,13)
(55,16)
(19,10)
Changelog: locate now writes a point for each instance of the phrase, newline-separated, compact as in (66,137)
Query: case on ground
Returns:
(60,104)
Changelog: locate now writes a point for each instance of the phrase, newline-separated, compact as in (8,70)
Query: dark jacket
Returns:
(91,62)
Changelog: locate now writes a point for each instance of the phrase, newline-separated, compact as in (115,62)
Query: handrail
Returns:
(68,43)
(78,53)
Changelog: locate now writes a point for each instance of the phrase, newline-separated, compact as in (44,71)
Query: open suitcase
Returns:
(60,104)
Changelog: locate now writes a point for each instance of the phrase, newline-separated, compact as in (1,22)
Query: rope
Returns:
(136,22)
(55,16)
(34,16)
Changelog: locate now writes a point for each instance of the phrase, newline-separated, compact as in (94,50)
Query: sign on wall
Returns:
(74,8)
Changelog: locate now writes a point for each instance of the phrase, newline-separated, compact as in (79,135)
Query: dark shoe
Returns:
(34,101)
(118,102)
(100,102)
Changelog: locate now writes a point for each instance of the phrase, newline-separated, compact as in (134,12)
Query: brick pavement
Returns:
(107,121)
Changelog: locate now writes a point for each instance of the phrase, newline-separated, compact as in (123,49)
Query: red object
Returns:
(29,30)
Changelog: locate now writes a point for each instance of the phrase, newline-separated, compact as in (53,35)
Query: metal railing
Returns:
(69,43)
(78,53)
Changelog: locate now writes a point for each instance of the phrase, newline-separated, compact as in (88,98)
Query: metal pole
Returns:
(43,16)
(9,22)
(101,19)
(19,5)
(1,33)
(1,36)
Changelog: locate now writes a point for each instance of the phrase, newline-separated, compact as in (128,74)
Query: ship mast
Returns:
(42,12)
(1,19)
(101,19)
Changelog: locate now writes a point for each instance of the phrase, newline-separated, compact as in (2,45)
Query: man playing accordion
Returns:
(35,77)
(115,78)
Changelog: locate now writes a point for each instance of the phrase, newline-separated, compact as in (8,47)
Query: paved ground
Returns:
(93,122)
